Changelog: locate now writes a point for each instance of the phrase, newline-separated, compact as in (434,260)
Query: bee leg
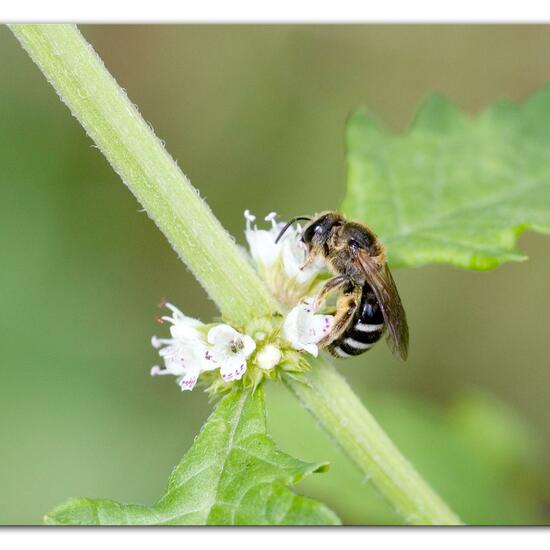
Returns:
(330,286)
(345,310)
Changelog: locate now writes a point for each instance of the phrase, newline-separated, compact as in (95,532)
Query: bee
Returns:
(369,304)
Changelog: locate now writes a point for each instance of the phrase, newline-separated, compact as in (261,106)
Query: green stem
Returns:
(112,121)
(78,75)
(325,393)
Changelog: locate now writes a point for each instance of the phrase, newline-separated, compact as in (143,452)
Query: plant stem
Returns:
(328,397)
(80,78)
(112,121)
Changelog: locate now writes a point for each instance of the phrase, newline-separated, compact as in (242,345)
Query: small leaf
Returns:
(232,475)
(453,189)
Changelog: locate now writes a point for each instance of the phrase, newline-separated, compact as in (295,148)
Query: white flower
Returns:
(188,353)
(230,350)
(268,357)
(280,264)
(303,328)
(185,354)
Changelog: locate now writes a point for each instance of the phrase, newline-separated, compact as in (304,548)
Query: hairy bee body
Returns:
(369,303)
(365,328)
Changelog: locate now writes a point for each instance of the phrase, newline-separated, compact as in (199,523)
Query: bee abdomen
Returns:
(364,331)
(356,340)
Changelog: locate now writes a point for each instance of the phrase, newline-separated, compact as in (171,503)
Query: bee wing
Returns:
(379,277)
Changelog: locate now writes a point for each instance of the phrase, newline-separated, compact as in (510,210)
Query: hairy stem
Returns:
(80,78)
(325,393)
(113,122)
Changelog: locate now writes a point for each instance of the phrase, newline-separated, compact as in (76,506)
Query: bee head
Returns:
(318,231)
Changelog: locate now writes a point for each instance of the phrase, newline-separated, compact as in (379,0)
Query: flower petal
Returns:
(249,345)
(179,317)
(312,349)
(303,328)
(262,246)
(293,257)
(320,325)
(222,335)
(183,331)
(233,370)
(187,382)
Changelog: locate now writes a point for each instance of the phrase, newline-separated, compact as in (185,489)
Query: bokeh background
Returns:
(255,116)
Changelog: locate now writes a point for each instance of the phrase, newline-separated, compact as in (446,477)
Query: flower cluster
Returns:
(195,348)
(281,264)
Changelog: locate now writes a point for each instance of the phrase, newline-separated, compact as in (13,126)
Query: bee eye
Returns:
(308,234)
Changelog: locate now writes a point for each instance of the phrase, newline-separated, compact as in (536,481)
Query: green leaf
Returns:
(232,475)
(453,189)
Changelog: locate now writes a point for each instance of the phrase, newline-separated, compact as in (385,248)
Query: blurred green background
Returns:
(255,116)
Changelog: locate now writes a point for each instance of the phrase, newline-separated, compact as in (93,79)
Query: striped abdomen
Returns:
(364,330)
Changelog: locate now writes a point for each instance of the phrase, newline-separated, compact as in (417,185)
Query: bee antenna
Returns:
(292,221)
